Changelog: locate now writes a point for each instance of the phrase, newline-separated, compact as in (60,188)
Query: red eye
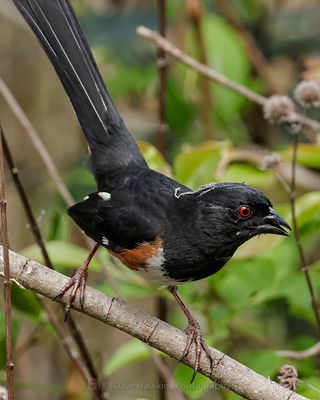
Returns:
(245,211)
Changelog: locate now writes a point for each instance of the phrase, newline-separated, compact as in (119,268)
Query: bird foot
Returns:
(195,336)
(78,281)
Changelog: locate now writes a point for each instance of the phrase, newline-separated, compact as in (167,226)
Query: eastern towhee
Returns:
(161,229)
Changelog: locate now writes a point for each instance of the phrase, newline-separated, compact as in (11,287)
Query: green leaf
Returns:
(129,353)
(195,166)
(180,113)
(250,174)
(310,387)
(193,390)
(225,53)
(308,155)
(59,227)
(243,281)
(295,290)
(63,254)
(308,210)
(133,290)
(265,361)
(258,245)
(25,301)
(154,158)
(126,289)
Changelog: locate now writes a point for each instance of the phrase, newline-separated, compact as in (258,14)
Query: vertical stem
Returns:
(162,313)
(195,13)
(303,264)
(162,67)
(7,280)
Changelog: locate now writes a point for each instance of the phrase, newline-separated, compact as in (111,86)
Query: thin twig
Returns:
(195,14)
(303,263)
(37,142)
(300,355)
(216,76)
(64,339)
(162,68)
(7,276)
(166,375)
(74,330)
(162,313)
(156,333)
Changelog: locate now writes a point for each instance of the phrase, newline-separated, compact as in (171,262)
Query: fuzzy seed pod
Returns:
(270,161)
(288,377)
(279,109)
(307,94)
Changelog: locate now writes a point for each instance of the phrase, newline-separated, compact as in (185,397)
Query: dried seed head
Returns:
(270,161)
(307,94)
(288,377)
(278,109)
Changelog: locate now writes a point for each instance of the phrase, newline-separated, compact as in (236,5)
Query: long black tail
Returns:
(54,23)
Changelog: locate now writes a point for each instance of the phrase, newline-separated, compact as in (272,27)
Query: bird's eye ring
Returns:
(245,211)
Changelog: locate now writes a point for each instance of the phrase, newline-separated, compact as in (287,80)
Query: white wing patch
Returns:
(104,195)
(105,241)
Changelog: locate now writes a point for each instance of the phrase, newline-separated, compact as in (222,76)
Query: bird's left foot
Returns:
(195,336)
(77,281)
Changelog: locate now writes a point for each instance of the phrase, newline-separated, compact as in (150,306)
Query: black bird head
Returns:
(229,214)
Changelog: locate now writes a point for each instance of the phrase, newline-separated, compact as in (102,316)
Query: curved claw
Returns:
(195,336)
(78,280)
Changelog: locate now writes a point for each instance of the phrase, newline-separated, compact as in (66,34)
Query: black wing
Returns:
(135,210)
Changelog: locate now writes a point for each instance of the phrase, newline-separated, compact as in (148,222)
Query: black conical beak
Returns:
(274,223)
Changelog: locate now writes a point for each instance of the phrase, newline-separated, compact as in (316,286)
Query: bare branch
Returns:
(166,375)
(37,142)
(300,355)
(216,76)
(158,334)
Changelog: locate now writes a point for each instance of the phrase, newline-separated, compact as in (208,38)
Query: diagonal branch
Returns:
(158,334)
(37,142)
(300,355)
(215,76)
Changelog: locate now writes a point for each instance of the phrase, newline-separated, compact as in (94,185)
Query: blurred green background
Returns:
(259,303)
